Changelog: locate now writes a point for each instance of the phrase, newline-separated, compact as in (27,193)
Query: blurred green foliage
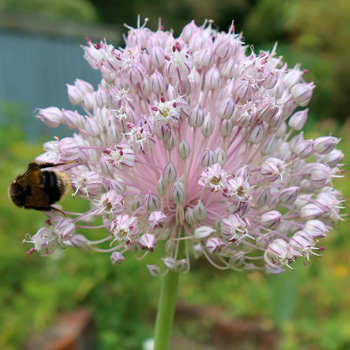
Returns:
(77,9)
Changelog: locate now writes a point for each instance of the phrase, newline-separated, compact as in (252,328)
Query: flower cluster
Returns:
(194,141)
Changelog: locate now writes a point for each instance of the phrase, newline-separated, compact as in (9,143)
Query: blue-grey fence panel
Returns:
(34,71)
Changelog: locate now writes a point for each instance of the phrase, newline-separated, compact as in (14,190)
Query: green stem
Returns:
(166,311)
(166,305)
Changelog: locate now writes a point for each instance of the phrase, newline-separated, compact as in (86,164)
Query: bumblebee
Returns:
(38,189)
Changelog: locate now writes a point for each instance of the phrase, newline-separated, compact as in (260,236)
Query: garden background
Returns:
(306,309)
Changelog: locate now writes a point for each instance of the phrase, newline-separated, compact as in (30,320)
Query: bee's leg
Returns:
(61,211)
(49,165)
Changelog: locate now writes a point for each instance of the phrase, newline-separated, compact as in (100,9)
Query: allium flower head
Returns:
(194,139)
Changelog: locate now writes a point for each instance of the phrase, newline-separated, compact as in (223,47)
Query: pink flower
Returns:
(189,139)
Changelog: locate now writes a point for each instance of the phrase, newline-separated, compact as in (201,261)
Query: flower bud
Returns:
(117,258)
(189,216)
(137,202)
(184,149)
(157,219)
(302,93)
(113,132)
(89,100)
(264,198)
(188,31)
(295,141)
(257,133)
(298,119)
(183,87)
(320,175)
(244,115)
(169,144)
(196,117)
(51,116)
(145,87)
(281,130)
(271,219)
(156,83)
(179,193)
(157,57)
(222,48)
(325,144)
(214,244)
(80,242)
(197,250)
(83,86)
(154,270)
(221,156)
(93,128)
(148,241)
(152,202)
(203,232)
(228,68)
(269,145)
(304,148)
(226,127)
(162,187)
(275,122)
(225,108)
(242,172)
(169,173)
(272,169)
(288,195)
(75,96)
(64,229)
(170,263)
(170,247)
(101,97)
(181,265)
(237,260)
(333,158)
(63,150)
(208,126)
(72,120)
(243,89)
(212,78)
(163,132)
(315,228)
(208,158)
(293,77)
(195,42)
(270,80)
(199,212)
(184,110)
(310,211)
(194,79)
(205,57)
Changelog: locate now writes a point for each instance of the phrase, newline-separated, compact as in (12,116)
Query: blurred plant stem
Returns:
(166,305)
(166,310)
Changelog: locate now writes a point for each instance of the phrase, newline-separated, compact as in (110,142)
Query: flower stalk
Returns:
(166,310)
(167,304)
